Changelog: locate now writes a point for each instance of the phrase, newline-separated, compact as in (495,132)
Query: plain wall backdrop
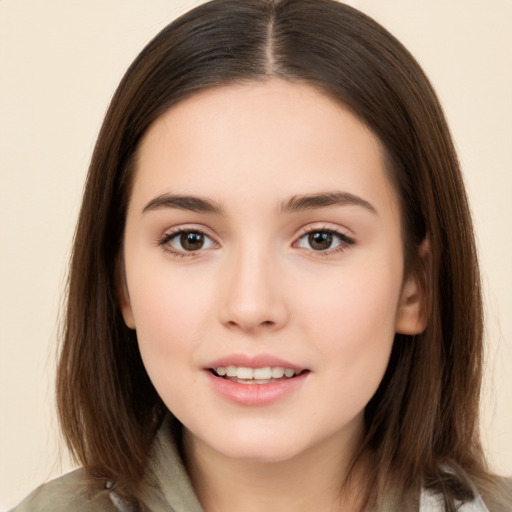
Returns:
(60,61)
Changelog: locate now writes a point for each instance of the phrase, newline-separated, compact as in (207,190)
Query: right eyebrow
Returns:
(179,202)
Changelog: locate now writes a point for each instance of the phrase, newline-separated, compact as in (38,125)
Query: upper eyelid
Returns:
(303,231)
(345,236)
(322,226)
(163,241)
(342,236)
(190,228)
(169,234)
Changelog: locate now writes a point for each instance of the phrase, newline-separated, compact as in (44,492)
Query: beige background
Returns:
(60,61)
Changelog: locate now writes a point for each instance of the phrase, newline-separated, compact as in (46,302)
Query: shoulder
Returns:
(501,496)
(68,492)
(505,484)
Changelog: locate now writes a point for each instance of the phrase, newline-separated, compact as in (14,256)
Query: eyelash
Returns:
(344,241)
(164,242)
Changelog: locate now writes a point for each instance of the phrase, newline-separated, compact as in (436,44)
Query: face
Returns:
(264,268)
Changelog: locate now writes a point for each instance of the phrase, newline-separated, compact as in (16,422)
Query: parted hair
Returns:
(422,425)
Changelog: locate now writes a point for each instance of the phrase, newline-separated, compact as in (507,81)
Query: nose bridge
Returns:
(252,296)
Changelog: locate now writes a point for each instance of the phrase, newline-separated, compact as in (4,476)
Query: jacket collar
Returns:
(171,488)
(168,474)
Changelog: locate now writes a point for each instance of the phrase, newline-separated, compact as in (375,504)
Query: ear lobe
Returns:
(411,317)
(123,296)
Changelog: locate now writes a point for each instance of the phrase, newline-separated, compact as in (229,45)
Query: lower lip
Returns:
(255,394)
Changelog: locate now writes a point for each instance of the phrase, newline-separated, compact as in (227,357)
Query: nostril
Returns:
(249,326)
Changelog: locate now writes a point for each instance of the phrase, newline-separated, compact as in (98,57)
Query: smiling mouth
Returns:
(264,375)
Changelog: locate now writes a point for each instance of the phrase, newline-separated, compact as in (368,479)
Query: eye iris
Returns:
(192,241)
(320,240)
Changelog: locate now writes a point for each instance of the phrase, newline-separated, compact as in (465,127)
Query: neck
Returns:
(313,480)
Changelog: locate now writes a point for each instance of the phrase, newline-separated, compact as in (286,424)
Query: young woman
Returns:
(274,294)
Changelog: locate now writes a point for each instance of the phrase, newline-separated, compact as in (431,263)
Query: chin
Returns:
(257,445)
(261,453)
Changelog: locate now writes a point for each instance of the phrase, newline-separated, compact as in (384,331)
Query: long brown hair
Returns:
(422,424)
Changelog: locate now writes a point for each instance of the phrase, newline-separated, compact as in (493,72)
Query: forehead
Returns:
(271,139)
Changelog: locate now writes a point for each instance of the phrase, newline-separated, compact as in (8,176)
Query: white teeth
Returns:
(263,375)
(230,371)
(244,373)
(277,372)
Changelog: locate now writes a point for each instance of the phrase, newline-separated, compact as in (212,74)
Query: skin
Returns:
(258,286)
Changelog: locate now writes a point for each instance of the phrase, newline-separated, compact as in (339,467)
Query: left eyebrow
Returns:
(324,200)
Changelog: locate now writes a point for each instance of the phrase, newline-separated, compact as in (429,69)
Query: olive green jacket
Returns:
(171,491)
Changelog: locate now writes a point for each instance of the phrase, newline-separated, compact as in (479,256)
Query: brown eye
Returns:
(324,240)
(187,241)
(191,241)
(320,240)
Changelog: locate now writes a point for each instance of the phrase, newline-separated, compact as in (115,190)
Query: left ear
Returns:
(411,316)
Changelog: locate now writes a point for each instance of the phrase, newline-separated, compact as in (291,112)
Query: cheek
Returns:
(353,322)
(169,311)
(167,303)
(356,300)
(168,334)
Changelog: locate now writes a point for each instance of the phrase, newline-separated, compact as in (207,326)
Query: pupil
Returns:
(192,241)
(320,240)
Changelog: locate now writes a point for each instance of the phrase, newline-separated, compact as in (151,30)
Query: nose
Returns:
(253,295)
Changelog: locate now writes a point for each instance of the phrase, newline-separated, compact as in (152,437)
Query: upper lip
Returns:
(253,361)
